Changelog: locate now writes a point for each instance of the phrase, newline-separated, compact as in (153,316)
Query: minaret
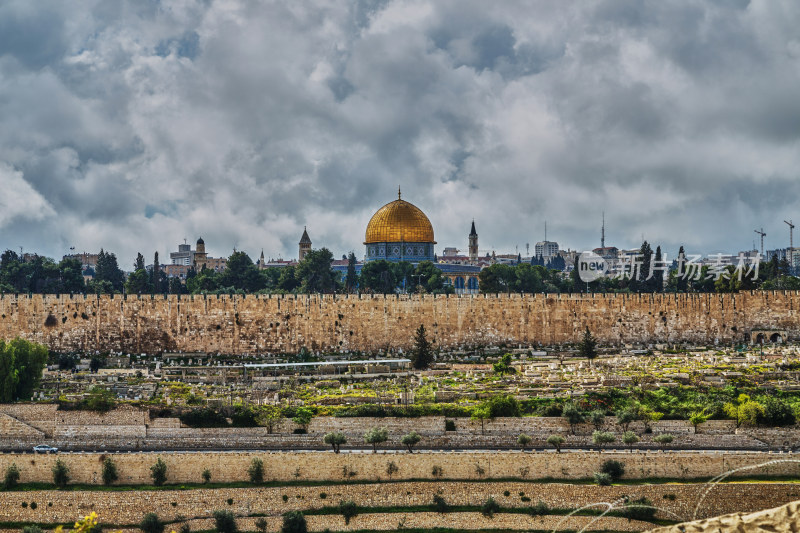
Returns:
(200,255)
(305,245)
(603,233)
(473,243)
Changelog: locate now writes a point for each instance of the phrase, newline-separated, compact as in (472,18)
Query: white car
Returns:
(44,448)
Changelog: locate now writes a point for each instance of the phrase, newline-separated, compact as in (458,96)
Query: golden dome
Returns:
(399,221)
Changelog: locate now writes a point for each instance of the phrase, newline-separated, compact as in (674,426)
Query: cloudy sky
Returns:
(131,125)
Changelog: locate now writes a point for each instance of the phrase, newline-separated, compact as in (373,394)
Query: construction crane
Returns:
(791,229)
(762,238)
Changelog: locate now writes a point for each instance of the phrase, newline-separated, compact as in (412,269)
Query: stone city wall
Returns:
(276,323)
(127,507)
(187,467)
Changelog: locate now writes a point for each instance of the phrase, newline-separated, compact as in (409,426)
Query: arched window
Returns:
(459,282)
(472,283)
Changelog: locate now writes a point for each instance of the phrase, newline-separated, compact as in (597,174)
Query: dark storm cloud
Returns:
(133,125)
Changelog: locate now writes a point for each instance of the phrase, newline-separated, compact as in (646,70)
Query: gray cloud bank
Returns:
(130,125)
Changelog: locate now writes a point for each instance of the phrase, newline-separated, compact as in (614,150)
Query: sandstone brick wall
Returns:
(258,323)
(186,467)
(127,507)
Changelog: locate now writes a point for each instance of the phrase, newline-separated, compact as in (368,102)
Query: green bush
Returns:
(410,440)
(34,505)
(110,474)
(12,477)
(489,508)
(204,418)
(261,524)
(503,406)
(323,495)
(256,471)
(602,479)
(293,522)
(641,509)
(230,501)
(206,475)
(552,410)
(151,524)
(615,469)
(348,509)
(777,412)
(32,529)
(60,474)
(158,472)
(440,504)
(506,493)
(225,522)
(539,509)
(375,436)
(335,439)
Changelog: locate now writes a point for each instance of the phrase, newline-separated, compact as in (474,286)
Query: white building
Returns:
(546,249)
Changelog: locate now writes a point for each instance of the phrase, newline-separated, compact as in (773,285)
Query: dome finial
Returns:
(398,193)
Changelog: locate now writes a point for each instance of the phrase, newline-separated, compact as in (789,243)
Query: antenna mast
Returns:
(791,229)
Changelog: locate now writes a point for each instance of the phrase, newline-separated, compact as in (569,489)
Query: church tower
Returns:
(305,245)
(473,243)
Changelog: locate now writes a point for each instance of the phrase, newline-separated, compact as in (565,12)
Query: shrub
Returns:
(523,441)
(151,524)
(24,505)
(204,418)
(663,439)
(602,479)
(437,471)
(230,501)
(777,412)
(109,471)
(391,469)
(185,528)
(293,522)
(34,505)
(603,437)
(597,418)
(630,438)
(32,529)
(60,474)
(556,441)
(449,425)
(285,498)
(525,499)
(553,410)
(323,495)
(256,471)
(615,469)
(348,509)
(12,477)
(540,509)
(410,440)
(225,522)
(506,493)
(489,508)
(440,504)
(641,509)
(335,439)
(376,436)
(574,415)
(503,406)
(261,524)
(206,475)
(159,472)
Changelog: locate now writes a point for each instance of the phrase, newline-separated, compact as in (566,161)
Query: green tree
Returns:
(348,509)
(138,282)
(375,436)
(556,441)
(268,416)
(601,438)
(410,440)
(315,272)
(744,411)
(241,274)
(523,440)
(663,439)
(71,273)
(588,346)
(294,522)
(60,472)
(351,280)
(11,478)
(207,280)
(497,278)
(626,417)
(110,474)
(99,399)
(615,469)
(158,472)
(225,522)
(490,507)
(630,438)
(422,353)
(597,418)
(378,277)
(107,270)
(256,471)
(574,415)
(504,365)
(206,475)
(21,366)
(427,278)
(335,440)
(151,524)
(302,417)
(481,413)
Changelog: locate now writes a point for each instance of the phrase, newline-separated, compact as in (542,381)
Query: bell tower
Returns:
(473,243)
(305,245)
